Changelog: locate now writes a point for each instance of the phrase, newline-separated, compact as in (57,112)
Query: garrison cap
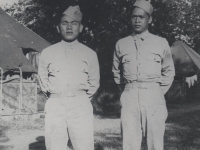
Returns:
(74,13)
(145,5)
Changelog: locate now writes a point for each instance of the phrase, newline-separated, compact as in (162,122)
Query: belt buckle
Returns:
(71,94)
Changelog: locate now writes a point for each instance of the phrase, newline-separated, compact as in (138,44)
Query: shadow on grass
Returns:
(108,141)
(112,141)
(39,144)
(183,129)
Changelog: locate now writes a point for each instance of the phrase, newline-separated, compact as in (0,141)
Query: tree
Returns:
(106,21)
(178,20)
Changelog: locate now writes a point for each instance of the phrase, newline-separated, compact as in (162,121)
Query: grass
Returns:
(182,130)
(183,127)
(107,134)
(17,130)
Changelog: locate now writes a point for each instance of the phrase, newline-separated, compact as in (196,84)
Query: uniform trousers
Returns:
(69,117)
(143,113)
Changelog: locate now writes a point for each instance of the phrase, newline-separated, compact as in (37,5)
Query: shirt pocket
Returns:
(128,65)
(153,57)
(126,59)
(82,74)
(83,67)
(54,68)
(153,64)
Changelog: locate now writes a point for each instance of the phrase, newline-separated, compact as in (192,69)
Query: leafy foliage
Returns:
(178,20)
(106,21)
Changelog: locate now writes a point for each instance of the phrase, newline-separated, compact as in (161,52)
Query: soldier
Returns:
(69,71)
(147,71)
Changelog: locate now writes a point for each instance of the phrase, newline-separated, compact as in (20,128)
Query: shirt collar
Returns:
(64,43)
(141,36)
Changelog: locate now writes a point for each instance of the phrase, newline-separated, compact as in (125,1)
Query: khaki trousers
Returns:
(143,113)
(69,117)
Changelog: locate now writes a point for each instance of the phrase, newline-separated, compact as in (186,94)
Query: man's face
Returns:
(140,20)
(69,28)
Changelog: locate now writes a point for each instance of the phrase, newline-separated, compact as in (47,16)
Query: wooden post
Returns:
(20,91)
(1,92)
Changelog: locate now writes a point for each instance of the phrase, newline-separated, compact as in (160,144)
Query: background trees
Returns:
(106,21)
(171,19)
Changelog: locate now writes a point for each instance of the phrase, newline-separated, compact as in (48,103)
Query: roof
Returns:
(186,60)
(13,38)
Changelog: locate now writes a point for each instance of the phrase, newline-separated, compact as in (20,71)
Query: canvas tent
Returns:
(187,66)
(186,60)
(14,39)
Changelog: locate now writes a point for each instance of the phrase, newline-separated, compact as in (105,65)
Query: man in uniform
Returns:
(69,71)
(144,63)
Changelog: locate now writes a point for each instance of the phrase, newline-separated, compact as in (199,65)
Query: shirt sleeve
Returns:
(43,74)
(168,71)
(93,75)
(116,64)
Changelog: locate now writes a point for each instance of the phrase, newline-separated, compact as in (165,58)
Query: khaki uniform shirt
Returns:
(144,58)
(68,66)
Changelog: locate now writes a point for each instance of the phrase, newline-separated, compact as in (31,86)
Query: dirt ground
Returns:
(24,135)
(182,131)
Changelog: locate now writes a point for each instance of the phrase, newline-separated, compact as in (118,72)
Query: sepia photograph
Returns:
(99,75)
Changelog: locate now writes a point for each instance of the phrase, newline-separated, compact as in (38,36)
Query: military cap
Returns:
(145,5)
(74,13)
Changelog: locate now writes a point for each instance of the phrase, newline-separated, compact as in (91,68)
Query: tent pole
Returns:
(1,88)
(20,90)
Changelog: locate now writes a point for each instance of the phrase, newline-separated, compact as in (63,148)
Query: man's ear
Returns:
(58,29)
(80,28)
(150,19)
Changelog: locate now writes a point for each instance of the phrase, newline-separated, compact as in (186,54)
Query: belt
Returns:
(68,94)
(141,85)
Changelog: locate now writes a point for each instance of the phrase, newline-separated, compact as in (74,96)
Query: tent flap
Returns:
(13,37)
(186,60)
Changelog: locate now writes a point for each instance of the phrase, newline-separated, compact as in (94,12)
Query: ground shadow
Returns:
(108,140)
(112,141)
(183,127)
(39,144)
